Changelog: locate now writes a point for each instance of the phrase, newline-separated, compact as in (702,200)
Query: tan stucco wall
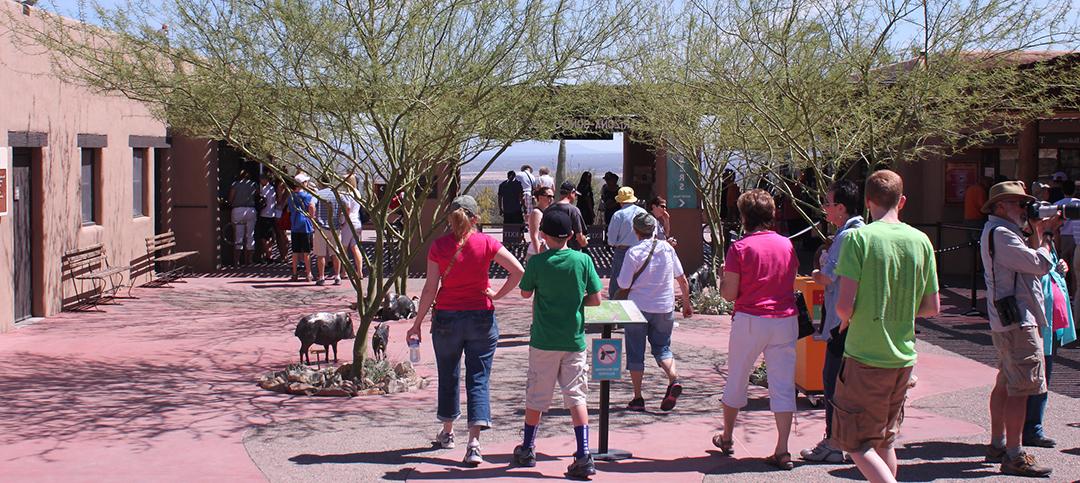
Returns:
(32,99)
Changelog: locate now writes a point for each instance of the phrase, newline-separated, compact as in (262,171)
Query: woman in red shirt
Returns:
(464,318)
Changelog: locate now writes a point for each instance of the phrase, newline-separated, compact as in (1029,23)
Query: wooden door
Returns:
(22,213)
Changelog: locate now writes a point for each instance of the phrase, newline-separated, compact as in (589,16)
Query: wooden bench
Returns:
(165,242)
(90,266)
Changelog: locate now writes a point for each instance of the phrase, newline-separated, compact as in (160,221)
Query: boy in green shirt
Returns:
(564,281)
(888,277)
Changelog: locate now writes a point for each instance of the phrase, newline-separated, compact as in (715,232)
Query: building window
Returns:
(139,182)
(90,189)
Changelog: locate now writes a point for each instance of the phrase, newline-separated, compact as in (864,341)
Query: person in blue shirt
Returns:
(1059,332)
(620,233)
(302,212)
(843,203)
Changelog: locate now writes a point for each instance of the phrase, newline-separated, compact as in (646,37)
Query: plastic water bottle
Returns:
(414,350)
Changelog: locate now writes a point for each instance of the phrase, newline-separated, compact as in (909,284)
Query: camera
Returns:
(1037,210)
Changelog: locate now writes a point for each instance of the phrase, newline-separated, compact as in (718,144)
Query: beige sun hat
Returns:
(1006,190)
(626,195)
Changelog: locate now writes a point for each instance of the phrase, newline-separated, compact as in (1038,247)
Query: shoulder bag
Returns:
(623,293)
(1007,308)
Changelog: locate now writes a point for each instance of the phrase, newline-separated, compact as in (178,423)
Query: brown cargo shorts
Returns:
(1020,361)
(868,405)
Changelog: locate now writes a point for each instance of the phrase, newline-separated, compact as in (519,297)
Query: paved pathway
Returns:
(162,388)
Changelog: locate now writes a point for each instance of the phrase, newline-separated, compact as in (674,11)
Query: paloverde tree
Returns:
(399,93)
(772,87)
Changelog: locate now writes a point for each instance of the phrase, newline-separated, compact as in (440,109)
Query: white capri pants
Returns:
(243,218)
(750,336)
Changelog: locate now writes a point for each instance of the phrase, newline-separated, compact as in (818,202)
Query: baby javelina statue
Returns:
(325,329)
(379,340)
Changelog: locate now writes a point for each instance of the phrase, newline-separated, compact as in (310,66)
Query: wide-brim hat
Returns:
(626,195)
(609,175)
(1006,190)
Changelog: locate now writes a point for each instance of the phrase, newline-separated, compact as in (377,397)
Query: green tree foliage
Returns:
(399,93)
(773,88)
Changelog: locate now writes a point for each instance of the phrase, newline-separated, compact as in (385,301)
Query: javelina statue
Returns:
(397,307)
(703,278)
(379,340)
(325,329)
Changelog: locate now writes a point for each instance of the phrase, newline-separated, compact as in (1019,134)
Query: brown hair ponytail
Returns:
(460,224)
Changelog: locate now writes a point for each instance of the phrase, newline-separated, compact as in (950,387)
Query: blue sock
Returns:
(581,433)
(530,436)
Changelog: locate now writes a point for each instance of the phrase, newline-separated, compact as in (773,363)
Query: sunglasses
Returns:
(546,196)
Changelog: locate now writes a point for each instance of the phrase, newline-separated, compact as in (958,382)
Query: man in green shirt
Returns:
(564,281)
(887,278)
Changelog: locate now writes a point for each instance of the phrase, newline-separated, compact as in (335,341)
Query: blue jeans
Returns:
(1036,405)
(658,331)
(617,257)
(829,374)
(475,333)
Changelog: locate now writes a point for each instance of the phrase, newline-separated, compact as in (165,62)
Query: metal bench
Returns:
(90,266)
(174,269)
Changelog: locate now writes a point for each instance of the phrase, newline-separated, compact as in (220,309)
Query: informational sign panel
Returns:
(5,180)
(680,183)
(606,359)
(614,312)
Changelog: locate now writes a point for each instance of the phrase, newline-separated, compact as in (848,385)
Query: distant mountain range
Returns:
(597,162)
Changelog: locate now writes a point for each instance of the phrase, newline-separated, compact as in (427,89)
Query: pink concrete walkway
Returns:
(161,388)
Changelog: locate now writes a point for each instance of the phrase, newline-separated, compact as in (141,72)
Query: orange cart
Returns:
(810,352)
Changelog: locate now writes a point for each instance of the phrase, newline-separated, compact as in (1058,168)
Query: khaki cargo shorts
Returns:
(1021,368)
(569,369)
(868,405)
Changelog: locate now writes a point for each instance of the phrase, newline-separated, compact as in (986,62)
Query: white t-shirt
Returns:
(547,181)
(1070,227)
(654,290)
(527,181)
(353,205)
(270,195)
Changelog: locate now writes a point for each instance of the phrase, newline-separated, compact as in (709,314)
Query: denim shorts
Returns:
(657,330)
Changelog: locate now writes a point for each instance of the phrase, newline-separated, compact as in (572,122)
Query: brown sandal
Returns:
(726,447)
(781,461)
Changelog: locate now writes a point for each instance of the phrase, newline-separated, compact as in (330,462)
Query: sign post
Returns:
(607,362)
(681,192)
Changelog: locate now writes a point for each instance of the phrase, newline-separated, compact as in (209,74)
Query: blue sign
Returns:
(681,192)
(606,359)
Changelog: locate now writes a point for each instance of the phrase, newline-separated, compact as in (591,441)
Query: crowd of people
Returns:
(878,276)
(286,215)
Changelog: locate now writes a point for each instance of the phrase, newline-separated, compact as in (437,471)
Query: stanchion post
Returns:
(974,243)
(605,400)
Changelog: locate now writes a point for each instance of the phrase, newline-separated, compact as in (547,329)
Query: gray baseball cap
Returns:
(644,223)
(467,202)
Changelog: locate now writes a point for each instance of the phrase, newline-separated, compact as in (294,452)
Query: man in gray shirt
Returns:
(1014,270)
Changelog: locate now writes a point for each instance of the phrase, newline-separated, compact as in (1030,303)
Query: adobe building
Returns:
(77,169)
(1042,148)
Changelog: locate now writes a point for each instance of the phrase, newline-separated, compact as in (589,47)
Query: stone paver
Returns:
(162,388)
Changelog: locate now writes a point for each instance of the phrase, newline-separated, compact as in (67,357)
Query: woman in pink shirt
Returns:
(759,275)
(464,319)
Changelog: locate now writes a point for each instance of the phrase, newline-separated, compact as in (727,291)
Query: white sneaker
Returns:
(445,440)
(473,456)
